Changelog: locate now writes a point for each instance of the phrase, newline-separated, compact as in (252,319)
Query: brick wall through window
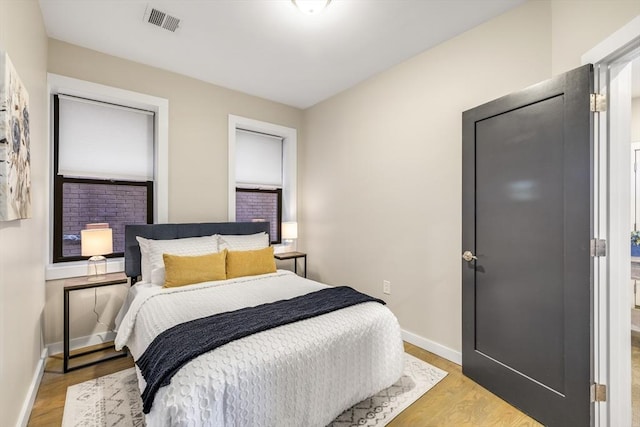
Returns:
(89,203)
(256,206)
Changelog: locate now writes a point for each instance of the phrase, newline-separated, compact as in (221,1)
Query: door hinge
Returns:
(598,393)
(598,247)
(598,102)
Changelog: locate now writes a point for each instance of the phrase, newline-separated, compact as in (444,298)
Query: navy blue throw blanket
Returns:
(176,346)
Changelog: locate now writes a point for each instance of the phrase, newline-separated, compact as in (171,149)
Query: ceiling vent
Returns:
(161,19)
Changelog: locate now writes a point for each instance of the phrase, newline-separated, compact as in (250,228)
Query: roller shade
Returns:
(104,141)
(258,159)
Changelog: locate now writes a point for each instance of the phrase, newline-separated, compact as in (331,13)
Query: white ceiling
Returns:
(268,48)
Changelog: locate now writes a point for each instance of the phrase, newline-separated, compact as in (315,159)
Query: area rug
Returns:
(114,400)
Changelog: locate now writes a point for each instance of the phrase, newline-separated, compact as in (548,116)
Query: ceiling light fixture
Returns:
(311,7)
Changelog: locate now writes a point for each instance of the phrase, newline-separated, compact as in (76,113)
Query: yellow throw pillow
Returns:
(187,270)
(250,263)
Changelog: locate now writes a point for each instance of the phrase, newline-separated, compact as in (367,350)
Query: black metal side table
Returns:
(76,284)
(294,256)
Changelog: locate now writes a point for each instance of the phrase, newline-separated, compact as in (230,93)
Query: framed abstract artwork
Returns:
(15,169)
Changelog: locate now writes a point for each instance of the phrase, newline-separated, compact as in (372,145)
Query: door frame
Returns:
(635,146)
(611,308)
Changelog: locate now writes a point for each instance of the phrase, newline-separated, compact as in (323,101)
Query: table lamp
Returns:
(290,233)
(96,242)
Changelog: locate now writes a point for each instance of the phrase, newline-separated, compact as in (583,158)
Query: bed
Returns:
(303,372)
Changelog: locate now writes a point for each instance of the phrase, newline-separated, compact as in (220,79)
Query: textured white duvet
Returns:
(302,374)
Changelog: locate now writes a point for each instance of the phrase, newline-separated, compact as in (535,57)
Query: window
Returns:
(255,204)
(103,171)
(258,179)
(263,167)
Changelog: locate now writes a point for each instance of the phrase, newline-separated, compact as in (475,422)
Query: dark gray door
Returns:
(527,186)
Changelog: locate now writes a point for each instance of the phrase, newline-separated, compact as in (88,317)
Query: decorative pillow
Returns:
(187,270)
(247,242)
(153,268)
(250,263)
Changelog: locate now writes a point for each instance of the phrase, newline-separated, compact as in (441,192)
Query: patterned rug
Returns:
(114,400)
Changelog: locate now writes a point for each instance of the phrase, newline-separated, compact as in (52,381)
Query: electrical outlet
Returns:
(386,287)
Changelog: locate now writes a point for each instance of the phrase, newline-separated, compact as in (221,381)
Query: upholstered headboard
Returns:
(177,231)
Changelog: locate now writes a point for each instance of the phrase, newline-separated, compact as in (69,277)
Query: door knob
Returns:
(468,256)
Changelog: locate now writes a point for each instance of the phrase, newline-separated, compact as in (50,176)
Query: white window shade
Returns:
(258,159)
(104,141)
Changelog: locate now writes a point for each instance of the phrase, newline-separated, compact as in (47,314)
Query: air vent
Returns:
(161,19)
(171,23)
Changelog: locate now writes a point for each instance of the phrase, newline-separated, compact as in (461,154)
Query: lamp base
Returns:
(290,245)
(96,268)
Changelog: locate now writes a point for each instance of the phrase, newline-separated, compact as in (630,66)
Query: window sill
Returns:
(66,270)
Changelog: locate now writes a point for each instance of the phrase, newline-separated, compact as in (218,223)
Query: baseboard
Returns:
(25,412)
(432,346)
(81,342)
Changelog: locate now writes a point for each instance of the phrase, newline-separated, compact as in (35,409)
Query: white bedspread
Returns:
(302,374)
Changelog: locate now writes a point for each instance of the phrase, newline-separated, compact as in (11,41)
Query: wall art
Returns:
(15,159)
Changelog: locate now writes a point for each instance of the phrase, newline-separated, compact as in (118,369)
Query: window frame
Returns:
(278,192)
(160,106)
(58,182)
(289,165)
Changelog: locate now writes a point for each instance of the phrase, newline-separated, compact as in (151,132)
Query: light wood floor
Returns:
(455,401)
(49,404)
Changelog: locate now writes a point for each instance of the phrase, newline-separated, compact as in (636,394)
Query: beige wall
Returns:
(381,177)
(198,120)
(635,120)
(579,25)
(381,173)
(198,140)
(23,243)
(379,164)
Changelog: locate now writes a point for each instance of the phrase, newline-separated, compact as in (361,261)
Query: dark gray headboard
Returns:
(177,231)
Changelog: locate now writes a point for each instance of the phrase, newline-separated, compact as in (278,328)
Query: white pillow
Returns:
(243,242)
(145,267)
(151,253)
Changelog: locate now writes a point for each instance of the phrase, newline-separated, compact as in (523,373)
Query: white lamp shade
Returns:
(98,241)
(97,225)
(289,230)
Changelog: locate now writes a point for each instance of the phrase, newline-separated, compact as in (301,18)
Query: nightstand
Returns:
(294,256)
(76,284)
